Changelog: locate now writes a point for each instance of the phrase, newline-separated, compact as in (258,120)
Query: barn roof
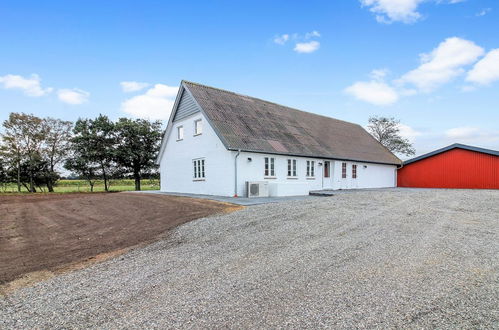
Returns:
(453,146)
(250,124)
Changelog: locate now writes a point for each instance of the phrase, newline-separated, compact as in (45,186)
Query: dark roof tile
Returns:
(252,124)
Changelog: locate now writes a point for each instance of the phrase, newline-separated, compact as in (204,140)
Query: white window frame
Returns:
(198,130)
(199,168)
(292,168)
(354,171)
(269,167)
(310,169)
(180,133)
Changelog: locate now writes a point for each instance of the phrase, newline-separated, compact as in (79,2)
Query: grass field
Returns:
(70,186)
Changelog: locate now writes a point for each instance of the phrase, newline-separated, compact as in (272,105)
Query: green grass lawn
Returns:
(71,186)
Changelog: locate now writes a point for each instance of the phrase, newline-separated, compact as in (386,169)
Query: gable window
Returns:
(269,170)
(354,171)
(291,167)
(199,173)
(198,127)
(180,133)
(310,168)
(344,170)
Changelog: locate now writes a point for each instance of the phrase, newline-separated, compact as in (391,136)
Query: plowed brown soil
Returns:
(45,232)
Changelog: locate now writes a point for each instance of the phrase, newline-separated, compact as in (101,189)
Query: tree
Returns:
(4,178)
(387,132)
(23,138)
(83,168)
(56,146)
(93,144)
(138,144)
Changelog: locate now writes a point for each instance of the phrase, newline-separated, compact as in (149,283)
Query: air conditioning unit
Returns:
(257,188)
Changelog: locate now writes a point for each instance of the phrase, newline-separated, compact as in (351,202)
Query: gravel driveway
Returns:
(401,258)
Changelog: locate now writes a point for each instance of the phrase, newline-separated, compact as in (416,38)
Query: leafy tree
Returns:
(4,177)
(23,138)
(138,144)
(56,146)
(387,132)
(93,145)
(83,168)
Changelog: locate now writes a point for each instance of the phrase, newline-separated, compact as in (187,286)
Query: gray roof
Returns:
(250,124)
(453,146)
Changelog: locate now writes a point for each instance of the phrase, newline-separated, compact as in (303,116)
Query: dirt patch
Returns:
(45,234)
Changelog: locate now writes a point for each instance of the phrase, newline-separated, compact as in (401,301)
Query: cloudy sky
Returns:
(433,64)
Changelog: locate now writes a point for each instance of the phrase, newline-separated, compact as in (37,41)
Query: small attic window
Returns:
(180,133)
(198,127)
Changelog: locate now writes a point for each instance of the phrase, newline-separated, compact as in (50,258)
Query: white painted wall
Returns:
(368,175)
(176,165)
(280,185)
(176,168)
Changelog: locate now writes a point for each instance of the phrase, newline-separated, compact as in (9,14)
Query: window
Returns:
(180,133)
(198,127)
(327,165)
(269,167)
(354,171)
(310,168)
(199,168)
(344,170)
(291,167)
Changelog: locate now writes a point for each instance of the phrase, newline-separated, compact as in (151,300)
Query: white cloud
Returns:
(30,86)
(282,39)
(405,11)
(156,103)
(302,45)
(462,132)
(409,133)
(374,92)
(483,12)
(473,135)
(443,64)
(468,88)
(307,47)
(486,70)
(313,34)
(388,11)
(378,74)
(133,86)
(73,96)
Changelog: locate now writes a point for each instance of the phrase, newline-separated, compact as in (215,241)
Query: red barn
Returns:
(455,166)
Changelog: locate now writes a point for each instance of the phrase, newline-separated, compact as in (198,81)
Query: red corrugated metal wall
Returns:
(456,168)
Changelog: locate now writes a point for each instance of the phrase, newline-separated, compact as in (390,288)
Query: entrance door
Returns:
(327,182)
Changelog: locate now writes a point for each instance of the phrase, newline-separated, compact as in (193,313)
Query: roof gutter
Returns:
(312,156)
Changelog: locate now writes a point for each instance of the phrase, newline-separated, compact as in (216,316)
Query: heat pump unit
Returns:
(257,188)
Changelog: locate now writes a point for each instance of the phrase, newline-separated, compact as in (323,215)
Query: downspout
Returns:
(235,172)
(397,175)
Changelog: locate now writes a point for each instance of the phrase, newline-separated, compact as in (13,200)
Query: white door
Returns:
(327,175)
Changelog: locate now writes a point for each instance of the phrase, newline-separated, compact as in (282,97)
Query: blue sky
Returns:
(432,64)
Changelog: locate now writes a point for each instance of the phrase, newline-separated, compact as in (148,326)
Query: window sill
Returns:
(292,178)
(198,134)
(311,178)
(195,180)
(180,140)
(270,177)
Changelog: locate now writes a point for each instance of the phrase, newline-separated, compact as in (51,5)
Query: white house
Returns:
(216,141)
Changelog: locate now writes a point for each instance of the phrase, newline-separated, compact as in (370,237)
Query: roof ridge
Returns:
(450,147)
(257,98)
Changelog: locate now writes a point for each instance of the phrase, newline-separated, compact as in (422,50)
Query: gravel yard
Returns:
(392,258)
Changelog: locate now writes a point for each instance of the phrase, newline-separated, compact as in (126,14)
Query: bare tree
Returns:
(387,132)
